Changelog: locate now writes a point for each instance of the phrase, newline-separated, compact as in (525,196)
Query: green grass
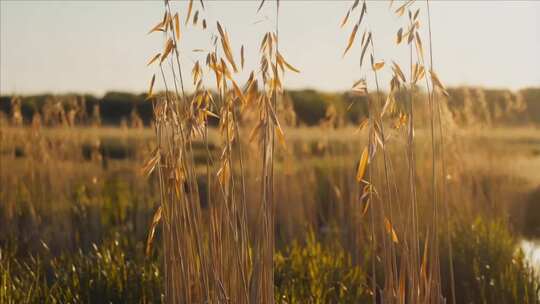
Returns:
(488,266)
(488,270)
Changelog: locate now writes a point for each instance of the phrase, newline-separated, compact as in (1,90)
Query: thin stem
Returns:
(443,161)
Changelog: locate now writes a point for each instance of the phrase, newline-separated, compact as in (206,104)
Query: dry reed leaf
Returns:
(264,67)
(372,148)
(156,28)
(416,14)
(209,113)
(178,177)
(378,65)
(177,26)
(223,174)
(360,172)
(153,59)
(219,75)
(437,82)
(155,221)
(366,207)
(168,21)
(366,191)
(418,73)
(360,88)
(165,17)
(351,39)
(282,61)
(399,36)
(364,49)
(250,82)
(419,47)
(390,230)
(225,70)
(344,21)
(226,47)
(196,17)
(168,48)
(410,36)
(238,92)
(264,43)
(409,30)
(271,43)
(363,38)
(363,124)
(151,90)
(401,10)
(389,101)
(421,72)
(202,4)
(364,10)
(394,82)
(276,82)
(273,115)
(281,136)
(190,9)
(151,163)
(398,71)
(196,72)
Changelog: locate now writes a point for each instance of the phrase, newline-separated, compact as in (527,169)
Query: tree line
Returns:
(308,107)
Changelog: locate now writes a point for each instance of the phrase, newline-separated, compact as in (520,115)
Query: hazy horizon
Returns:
(70,46)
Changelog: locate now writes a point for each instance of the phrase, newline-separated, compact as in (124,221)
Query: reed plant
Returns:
(409,248)
(214,255)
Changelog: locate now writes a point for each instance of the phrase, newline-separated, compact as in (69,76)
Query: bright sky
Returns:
(96,46)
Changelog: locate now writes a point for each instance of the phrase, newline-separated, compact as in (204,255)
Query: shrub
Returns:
(317,274)
(309,106)
(488,268)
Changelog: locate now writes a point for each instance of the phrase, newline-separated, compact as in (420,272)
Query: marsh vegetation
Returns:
(251,193)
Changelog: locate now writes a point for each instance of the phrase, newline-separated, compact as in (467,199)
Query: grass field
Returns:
(76,213)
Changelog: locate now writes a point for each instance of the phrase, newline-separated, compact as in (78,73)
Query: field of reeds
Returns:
(77,211)
(250,193)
